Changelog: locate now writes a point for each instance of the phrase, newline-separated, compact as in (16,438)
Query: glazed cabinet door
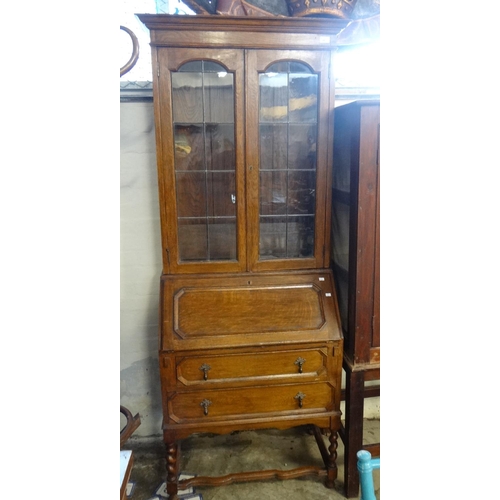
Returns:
(288,148)
(201,166)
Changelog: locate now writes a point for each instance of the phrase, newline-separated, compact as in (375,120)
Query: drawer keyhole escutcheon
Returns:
(300,397)
(204,368)
(205,403)
(299,363)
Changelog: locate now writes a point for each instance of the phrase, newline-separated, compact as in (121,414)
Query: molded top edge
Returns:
(331,25)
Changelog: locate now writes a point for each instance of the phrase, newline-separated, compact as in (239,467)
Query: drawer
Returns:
(251,402)
(271,366)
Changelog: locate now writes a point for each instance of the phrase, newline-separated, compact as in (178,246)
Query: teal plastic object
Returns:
(366,465)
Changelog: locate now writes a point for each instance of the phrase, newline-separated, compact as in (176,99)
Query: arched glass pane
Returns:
(205,161)
(288,116)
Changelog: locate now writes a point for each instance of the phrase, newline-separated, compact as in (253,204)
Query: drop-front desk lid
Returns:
(203,312)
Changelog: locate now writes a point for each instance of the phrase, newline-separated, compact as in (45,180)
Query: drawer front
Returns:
(270,366)
(251,402)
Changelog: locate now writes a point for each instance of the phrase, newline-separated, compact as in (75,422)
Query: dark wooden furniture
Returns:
(132,423)
(250,334)
(126,456)
(356,266)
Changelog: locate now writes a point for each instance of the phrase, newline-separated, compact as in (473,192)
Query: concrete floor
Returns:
(244,451)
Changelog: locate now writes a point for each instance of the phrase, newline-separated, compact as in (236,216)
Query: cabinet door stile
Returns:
(329,161)
(252,158)
(325,158)
(168,211)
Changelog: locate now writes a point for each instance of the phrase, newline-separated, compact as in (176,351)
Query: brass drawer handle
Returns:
(205,403)
(300,397)
(299,363)
(204,368)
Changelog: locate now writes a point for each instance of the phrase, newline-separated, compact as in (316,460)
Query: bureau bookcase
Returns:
(250,334)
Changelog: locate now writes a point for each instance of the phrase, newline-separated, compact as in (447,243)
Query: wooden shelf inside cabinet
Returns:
(250,333)
(356,265)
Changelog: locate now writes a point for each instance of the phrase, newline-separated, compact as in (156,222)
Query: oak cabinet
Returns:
(250,334)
